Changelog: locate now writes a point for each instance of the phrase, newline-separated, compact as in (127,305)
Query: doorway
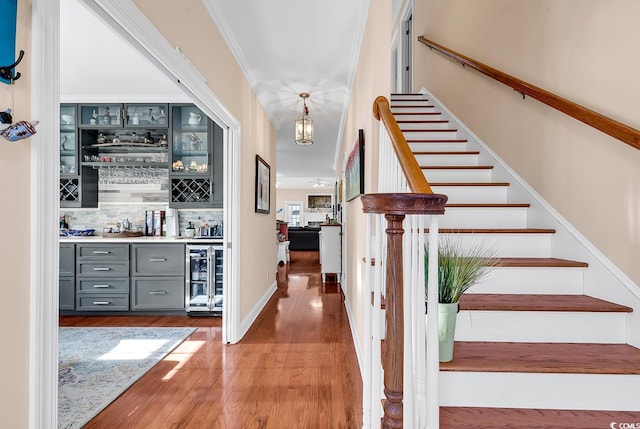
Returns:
(293,213)
(407,54)
(128,21)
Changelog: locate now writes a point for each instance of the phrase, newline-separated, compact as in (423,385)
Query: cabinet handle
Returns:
(101,286)
(101,302)
(157,292)
(101,252)
(101,269)
(158,260)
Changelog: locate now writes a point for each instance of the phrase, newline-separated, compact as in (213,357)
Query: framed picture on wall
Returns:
(354,169)
(263,185)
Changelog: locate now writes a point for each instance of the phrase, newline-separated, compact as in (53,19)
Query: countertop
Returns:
(143,239)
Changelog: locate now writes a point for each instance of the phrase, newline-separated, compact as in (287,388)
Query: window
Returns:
(293,213)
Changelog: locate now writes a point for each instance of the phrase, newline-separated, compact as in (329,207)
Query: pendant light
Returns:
(304,124)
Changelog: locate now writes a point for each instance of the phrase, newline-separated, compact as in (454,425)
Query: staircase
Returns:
(544,340)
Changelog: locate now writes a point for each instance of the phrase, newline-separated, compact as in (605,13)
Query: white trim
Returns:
(43,308)
(354,335)
(126,19)
(255,311)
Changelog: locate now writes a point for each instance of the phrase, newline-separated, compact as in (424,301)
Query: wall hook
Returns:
(6,71)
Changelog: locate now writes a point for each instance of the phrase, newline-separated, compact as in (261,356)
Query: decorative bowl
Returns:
(68,119)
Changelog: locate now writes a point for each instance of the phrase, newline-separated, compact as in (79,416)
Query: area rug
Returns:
(95,365)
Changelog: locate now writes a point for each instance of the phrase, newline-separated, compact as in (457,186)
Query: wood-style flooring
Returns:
(295,368)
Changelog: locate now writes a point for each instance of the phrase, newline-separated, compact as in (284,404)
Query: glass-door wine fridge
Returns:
(204,278)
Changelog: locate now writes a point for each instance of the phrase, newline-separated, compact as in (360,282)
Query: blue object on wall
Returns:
(8,14)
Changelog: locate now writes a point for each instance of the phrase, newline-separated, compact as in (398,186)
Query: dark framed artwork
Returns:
(263,185)
(354,170)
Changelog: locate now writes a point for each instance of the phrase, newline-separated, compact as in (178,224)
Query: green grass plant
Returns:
(460,266)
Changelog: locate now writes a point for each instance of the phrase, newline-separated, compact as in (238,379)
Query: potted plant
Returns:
(460,266)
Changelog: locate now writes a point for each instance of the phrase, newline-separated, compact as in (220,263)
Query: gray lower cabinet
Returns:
(102,277)
(157,281)
(66,283)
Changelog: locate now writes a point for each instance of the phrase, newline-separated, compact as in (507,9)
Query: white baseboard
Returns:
(354,334)
(255,311)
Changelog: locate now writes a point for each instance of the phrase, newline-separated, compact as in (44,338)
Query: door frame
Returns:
(127,20)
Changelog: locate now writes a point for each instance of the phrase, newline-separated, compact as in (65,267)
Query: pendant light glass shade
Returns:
(304,124)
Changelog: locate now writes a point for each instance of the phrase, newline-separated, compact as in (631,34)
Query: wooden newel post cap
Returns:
(404,203)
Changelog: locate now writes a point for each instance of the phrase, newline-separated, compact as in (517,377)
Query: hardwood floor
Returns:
(295,368)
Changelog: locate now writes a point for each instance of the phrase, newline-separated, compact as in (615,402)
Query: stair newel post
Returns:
(394,315)
(395,207)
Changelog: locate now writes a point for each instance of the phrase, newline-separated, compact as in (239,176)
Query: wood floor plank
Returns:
(295,367)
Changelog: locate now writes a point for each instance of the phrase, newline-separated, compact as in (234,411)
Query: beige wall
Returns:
(190,28)
(372,79)
(15,159)
(579,49)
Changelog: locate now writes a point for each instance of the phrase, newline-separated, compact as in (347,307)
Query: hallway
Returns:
(295,368)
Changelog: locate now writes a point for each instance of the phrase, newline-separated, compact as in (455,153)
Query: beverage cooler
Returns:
(204,278)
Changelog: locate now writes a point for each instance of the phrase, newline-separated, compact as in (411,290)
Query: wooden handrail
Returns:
(414,175)
(609,126)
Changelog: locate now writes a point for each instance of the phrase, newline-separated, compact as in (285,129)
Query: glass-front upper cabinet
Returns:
(102,115)
(191,151)
(147,115)
(68,140)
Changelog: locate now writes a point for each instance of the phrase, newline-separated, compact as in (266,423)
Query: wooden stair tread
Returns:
(494,230)
(527,418)
(418,121)
(489,205)
(416,113)
(456,167)
(437,141)
(469,184)
(448,153)
(413,106)
(431,130)
(540,262)
(538,302)
(557,358)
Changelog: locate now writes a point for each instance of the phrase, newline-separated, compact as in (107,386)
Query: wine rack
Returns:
(70,190)
(191,191)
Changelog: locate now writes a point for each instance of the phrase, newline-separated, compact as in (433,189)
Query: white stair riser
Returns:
(473,194)
(433,116)
(532,280)
(440,135)
(506,245)
(544,391)
(438,146)
(395,110)
(481,217)
(540,326)
(462,159)
(458,176)
(406,126)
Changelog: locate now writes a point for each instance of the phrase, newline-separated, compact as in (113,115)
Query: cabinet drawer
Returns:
(67,259)
(66,294)
(103,285)
(104,252)
(102,269)
(157,259)
(102,302)
(156,293)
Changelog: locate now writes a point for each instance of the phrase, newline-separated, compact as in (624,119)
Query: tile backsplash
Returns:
(108,215)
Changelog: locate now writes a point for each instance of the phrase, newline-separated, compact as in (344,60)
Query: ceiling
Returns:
(284,47)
